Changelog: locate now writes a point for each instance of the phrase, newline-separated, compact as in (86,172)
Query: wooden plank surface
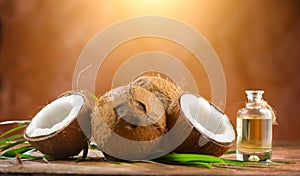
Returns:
(96,165)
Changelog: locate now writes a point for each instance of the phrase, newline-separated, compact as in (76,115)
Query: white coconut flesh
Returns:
(207,119)
(55,116)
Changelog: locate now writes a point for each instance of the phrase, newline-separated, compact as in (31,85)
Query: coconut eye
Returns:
(139,106)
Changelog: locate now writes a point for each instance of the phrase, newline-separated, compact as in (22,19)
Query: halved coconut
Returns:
(212,132)
(55,129)
(161,85)
(127,122)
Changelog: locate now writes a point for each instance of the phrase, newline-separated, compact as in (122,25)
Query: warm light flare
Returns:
(158,5)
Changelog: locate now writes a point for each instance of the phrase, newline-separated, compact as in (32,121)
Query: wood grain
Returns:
(95,165)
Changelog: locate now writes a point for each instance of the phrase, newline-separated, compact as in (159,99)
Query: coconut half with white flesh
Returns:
(55,130)
(212,132)
(127,123)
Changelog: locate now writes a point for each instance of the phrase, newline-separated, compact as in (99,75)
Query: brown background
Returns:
(257,42)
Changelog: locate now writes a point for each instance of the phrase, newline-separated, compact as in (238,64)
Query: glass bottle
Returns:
(254,129)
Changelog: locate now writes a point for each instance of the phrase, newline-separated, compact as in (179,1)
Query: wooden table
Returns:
(98,166)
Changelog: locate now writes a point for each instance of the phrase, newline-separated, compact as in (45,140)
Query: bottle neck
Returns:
(254,100)
(254,97)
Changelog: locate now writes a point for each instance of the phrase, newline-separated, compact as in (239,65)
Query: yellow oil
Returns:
(254,138)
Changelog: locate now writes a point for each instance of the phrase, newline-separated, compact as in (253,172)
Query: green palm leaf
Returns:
(9,145)
(12,130)
(192,157)
(12,153)
(4,141)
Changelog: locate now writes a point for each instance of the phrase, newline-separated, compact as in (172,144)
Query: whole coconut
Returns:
(128,122)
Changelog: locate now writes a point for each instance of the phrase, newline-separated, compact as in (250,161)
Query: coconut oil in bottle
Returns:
(254,129)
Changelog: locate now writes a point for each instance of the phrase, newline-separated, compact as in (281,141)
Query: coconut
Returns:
(128,122)
(161,85)
(212,132)
(60,129)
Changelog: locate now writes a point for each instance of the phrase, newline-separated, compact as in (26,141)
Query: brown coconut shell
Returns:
(190,144)
(162,86)
(68,140)
(124,138)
